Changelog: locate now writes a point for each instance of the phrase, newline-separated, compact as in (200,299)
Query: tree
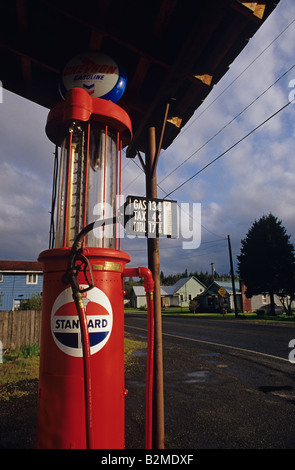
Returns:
(204,278)
(267,261)
(194,305)
(287,294)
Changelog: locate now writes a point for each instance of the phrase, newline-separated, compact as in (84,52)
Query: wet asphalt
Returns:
(215,398)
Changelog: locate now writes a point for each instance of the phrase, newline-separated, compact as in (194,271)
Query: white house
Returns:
(178,295)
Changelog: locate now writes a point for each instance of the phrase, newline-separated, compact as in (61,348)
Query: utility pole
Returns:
(232,276)
(212,270)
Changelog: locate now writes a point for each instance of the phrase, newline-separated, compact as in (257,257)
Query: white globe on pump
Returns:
(97,73)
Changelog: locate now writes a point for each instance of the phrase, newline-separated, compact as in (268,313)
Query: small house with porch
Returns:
(218,296)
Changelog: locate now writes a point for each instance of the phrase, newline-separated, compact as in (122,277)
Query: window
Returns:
(264,299)
(32,279)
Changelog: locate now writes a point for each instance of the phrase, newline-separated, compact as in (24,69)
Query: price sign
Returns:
(153,218)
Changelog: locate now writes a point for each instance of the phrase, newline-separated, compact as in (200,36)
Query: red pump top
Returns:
(79,105)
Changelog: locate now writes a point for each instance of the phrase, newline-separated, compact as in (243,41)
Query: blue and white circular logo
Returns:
(65,324)
(97,73)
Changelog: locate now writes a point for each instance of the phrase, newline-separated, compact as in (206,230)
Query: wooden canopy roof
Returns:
(173,51)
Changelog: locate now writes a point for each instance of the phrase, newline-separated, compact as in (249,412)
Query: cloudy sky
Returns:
(255,177)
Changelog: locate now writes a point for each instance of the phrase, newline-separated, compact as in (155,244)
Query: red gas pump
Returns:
(81,383)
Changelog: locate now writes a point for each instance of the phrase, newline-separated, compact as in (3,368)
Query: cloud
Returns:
(254,178)
(257,176)
(25,179)
(24,218)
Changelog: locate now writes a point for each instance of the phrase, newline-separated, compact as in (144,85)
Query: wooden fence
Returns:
(20,328)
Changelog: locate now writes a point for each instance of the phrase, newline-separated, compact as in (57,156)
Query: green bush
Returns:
(35,303)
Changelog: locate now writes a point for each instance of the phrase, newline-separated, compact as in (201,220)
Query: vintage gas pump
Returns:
(81,383)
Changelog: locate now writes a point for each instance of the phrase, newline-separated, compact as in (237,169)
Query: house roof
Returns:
(20,266)
(139,291)
(181,282)
(168,290)
(228,285)
(213,288)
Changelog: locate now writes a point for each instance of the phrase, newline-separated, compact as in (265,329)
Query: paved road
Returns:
(267,338)
(220,393)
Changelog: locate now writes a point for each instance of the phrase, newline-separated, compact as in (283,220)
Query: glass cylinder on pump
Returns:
(88,184)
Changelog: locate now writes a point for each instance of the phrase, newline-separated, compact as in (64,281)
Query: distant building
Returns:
(212,301)
(258,301)
(19,281)
(178,295)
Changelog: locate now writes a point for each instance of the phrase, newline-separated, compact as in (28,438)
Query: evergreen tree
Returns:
(267,262)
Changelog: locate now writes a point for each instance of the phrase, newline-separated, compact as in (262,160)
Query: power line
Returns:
(198,254)
(190,216)
(226,151)
(220,94)
(235,79)
(163,190)
(180,246)
(136,177)
(230,148)
(222,154)
(226,125)
(238,76)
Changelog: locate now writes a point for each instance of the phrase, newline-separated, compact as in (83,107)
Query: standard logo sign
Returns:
(97,73)
(65,324)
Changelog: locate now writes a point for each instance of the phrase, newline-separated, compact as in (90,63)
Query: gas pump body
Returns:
(61,416)
(61,410)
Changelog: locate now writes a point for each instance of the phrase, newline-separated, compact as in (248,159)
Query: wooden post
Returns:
(154,266)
